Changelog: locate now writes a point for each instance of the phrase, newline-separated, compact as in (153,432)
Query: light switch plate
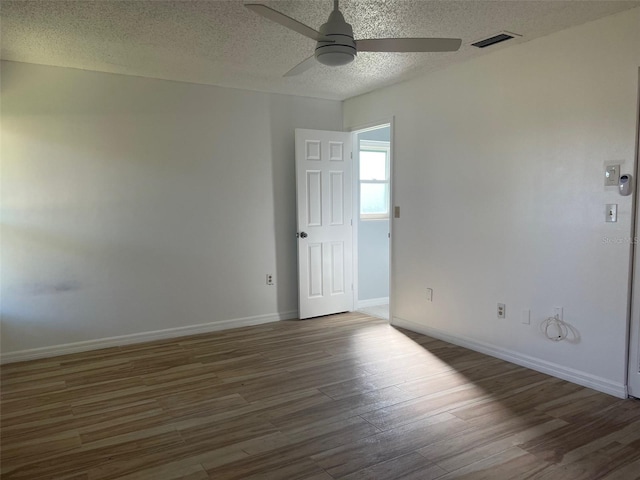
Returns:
(611,212)
(611,175)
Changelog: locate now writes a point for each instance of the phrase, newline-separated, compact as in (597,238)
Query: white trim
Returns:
(374,145)
(355,215)
(575,376)
(392,138)
(67,348)
(372,302)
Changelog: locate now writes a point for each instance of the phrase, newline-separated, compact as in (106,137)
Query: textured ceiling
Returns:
(222,43)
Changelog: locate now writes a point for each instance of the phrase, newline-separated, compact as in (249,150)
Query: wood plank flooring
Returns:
(345,396)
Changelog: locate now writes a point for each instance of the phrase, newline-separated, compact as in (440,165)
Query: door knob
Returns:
(303,235)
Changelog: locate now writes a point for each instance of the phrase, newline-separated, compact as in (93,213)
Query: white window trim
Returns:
(377,146)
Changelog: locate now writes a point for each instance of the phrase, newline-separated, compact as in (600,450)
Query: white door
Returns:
(634,339)
(323,179)
(633,380)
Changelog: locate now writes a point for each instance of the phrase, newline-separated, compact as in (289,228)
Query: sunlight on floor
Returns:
(437,381)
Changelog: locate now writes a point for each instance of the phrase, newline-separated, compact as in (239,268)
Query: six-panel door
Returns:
(323,178)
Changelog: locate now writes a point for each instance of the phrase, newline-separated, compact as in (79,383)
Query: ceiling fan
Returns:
(336,45)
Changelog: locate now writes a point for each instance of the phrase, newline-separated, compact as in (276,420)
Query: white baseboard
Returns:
(569,374)
(67,348)
(372,302)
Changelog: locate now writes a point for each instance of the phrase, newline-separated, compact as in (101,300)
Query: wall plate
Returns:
(611,175)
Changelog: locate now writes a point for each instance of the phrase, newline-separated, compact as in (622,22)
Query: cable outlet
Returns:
(502,310)
(270,279)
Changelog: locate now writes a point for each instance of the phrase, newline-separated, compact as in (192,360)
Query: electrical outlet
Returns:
(270,280)
(429,294)
(502,310)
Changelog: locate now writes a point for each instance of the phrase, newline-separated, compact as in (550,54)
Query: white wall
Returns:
(133,205)
(373,259)
(499,173)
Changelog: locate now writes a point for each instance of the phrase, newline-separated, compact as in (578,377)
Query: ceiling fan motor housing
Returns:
(342,49)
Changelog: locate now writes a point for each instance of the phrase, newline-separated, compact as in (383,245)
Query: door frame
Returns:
(355,130)
(633,316)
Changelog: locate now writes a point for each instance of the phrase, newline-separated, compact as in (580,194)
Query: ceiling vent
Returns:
(497,38)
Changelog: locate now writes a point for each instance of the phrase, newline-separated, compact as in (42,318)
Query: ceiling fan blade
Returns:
(303,66)
(285,21)
(409,45)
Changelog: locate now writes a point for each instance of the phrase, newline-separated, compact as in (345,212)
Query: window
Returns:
(374,180)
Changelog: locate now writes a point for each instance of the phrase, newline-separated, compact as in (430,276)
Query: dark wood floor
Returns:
(345,396)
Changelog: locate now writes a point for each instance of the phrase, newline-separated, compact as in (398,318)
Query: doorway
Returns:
(372,214)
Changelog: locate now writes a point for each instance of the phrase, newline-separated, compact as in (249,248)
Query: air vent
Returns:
(498,38)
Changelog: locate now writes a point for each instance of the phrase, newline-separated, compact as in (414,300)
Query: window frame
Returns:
(375,146)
